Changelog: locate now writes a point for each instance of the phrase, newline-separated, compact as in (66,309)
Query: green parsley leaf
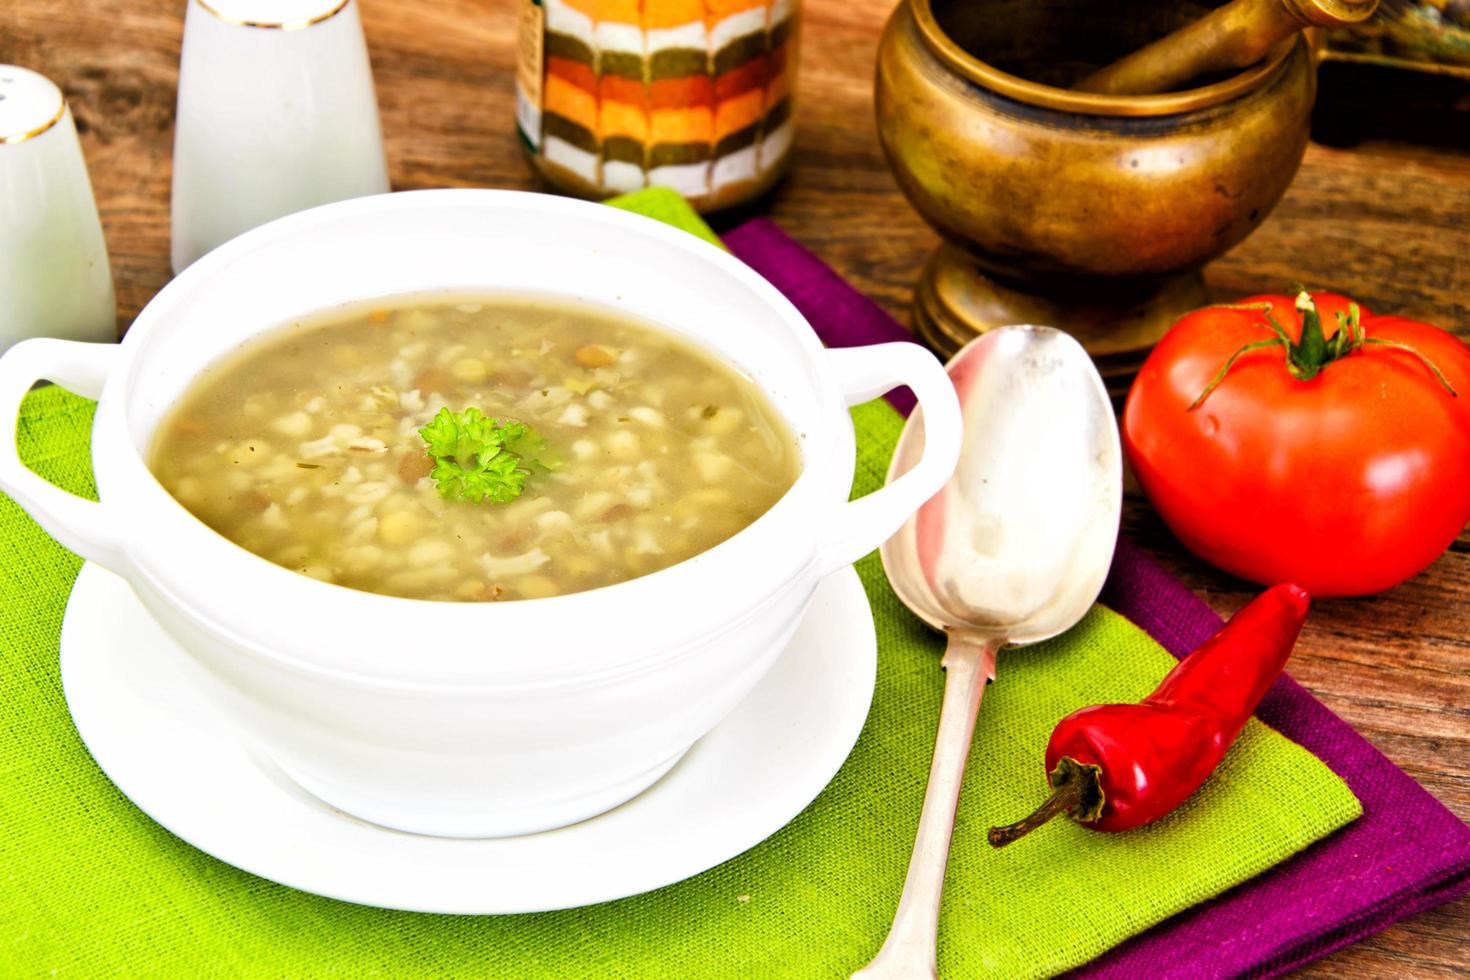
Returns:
(477,457)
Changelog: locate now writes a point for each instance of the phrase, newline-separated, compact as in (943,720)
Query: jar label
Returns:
(529,70)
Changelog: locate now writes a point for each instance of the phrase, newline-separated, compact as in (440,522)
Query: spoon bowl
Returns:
(1017,544)
(1013,550)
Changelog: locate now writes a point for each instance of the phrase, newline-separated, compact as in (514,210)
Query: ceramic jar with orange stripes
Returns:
(614,95)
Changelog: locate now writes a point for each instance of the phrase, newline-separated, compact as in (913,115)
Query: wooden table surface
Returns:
(1387,222)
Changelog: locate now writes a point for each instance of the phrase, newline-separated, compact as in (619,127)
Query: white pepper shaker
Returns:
(276,113)
(55,280)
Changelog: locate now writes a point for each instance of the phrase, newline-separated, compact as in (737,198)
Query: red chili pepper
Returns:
(1119,766)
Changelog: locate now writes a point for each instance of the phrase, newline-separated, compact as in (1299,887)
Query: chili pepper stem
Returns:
(1077,792)
(1061,801)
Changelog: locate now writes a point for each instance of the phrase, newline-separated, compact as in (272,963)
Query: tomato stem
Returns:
(1309,355)
(1427,362)
(1249,307)
(1220,374)
(1312,352)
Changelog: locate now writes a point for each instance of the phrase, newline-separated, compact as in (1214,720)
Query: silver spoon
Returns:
(1012,551)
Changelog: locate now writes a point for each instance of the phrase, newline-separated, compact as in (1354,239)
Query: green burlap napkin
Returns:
(91,887)
(670,207)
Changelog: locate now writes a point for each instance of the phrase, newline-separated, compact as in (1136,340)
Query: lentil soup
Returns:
(304,447)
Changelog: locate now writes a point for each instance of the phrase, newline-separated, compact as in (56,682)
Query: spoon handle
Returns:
(909,952)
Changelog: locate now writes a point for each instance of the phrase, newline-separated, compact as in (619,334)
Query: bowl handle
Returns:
(864,373)
(79,524)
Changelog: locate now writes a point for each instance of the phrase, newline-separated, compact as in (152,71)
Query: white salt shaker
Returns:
(276,113)
(55,280)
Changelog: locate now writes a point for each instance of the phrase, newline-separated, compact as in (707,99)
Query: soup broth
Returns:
(305,448)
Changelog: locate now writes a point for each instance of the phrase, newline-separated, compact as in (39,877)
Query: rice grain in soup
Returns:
(304,448)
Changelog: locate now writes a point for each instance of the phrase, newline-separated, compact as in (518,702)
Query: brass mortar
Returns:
(1089,212)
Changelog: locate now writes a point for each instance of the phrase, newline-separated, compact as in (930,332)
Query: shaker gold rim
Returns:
(7,139)
(295,25)
(1089,103)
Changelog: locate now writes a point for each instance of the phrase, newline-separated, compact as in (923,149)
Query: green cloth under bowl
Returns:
(89,886)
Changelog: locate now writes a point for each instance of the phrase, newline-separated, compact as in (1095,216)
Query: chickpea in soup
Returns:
(485,448)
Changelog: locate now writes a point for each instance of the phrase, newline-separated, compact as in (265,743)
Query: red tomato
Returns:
(1345,483)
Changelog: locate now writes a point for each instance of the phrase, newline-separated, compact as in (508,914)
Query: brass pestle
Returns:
(1229,38)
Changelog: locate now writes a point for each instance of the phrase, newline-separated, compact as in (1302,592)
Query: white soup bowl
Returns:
(475,719)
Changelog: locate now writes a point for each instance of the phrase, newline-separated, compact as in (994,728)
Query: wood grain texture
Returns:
(1389,223)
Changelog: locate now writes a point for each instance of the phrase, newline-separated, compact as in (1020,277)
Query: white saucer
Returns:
(182,763)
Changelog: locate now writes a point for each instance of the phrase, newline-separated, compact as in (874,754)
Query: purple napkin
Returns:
(1405,854)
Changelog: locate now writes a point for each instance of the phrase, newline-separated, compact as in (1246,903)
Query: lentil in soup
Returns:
(305,448)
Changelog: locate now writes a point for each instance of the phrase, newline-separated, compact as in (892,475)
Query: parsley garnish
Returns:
(480,458)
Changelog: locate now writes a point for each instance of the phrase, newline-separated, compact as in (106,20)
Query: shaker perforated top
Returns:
(30,104)
(285,15)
